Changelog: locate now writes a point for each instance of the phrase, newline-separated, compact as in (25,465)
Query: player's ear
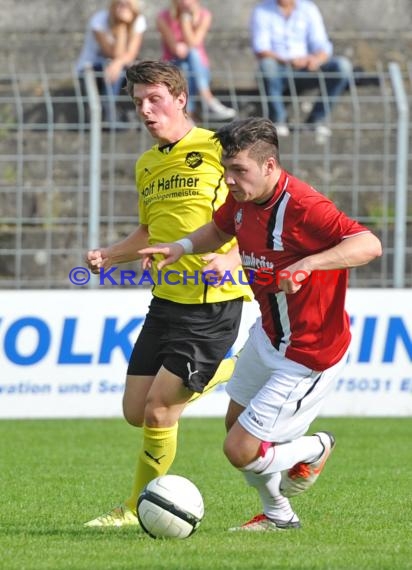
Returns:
(269,165)
(182,100)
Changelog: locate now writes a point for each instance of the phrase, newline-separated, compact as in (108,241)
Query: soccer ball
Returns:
(170,506)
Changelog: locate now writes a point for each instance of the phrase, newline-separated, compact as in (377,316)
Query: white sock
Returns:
(283,456)
(275,506)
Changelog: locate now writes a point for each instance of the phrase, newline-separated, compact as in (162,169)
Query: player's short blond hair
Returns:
(152,72)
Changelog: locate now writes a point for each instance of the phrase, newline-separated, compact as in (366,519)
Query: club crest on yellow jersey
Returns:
(193,159)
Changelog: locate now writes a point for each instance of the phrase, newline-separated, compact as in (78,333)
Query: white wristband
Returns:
(187,244)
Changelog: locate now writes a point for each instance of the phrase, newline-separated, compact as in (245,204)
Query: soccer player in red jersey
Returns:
(284,227)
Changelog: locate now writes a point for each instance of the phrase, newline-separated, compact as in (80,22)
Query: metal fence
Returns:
(67,181)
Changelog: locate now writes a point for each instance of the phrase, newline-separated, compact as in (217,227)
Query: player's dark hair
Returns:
(255,134)
(153,72)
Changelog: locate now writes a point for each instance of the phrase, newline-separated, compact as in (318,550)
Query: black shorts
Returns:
(188,340)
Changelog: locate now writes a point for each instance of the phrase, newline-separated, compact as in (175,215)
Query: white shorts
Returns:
(280,396)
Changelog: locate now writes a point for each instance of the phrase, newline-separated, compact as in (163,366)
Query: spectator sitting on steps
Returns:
(290,42)
(183,29)
(112,43)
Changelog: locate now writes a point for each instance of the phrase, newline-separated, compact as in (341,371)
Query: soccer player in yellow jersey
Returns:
(191,324)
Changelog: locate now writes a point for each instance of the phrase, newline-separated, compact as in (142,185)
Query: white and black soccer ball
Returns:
(170,506)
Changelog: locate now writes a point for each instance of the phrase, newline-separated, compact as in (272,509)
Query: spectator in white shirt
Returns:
(291,44)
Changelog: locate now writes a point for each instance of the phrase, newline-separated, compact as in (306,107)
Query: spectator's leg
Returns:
(200,72)
(116,87)
(199,75)
(275,80)
(83,92)
(100,82)
(341,70)
(212,107)
(106,93)
(184,65)
(114,113)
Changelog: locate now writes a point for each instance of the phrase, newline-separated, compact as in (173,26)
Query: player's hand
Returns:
(97,258)
(292,278)
(171,252)
(147,261)
(217,266)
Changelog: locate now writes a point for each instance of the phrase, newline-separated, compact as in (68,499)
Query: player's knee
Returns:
(157,415)
(132,418)
(235,453)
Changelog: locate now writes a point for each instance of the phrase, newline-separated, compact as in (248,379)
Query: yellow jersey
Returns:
(179,188)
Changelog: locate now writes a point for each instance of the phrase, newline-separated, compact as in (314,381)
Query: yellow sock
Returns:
(156,457)
(222,375)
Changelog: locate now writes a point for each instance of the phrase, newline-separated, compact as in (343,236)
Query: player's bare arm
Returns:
(121,252)
(352,251)
(220,263)
(207,238)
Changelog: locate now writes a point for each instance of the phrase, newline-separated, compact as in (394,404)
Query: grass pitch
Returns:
(55,475)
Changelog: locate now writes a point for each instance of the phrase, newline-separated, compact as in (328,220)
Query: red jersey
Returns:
(311,326)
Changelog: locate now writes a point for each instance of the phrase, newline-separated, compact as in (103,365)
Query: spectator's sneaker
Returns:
(261,523)
(323,130)
(282,130)
(303,475)
(322,133)
(117,517)
(219,111)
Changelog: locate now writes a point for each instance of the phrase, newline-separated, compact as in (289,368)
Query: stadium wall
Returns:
(52,31)
(64,354)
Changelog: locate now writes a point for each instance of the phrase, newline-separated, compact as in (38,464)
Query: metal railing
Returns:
(67,181)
